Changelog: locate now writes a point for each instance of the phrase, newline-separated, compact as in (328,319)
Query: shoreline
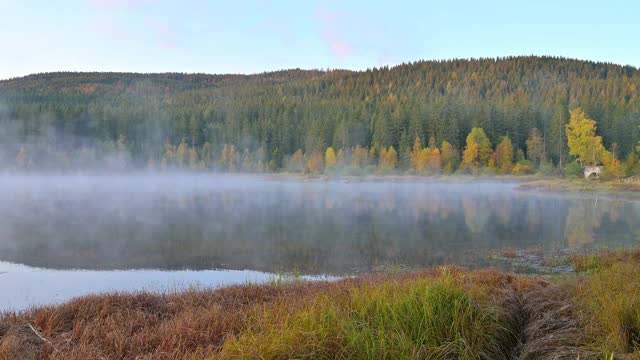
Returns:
(527,182)
(625,189)
(500,314)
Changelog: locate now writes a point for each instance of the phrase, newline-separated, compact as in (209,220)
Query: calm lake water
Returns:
(64,236)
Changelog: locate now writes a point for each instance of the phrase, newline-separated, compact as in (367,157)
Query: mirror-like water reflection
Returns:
(25,286)
(224,222)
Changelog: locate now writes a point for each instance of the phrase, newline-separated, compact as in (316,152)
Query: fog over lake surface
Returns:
(63,236)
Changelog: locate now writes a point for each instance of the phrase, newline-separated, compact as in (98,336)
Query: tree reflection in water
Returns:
(312,227)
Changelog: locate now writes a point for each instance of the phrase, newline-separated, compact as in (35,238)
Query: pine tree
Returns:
(205,155)
(535,146)
(638,147)
(558,133)
(194,162)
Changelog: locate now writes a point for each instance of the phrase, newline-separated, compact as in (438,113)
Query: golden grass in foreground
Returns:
(610,300)
(445,313)
(450,315)
(428,314)
(592,315)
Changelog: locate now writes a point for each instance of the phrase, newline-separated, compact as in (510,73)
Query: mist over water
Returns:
(244,222)
(268,224)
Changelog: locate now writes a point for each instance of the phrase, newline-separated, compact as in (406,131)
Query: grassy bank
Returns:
(444,313)
(627,187)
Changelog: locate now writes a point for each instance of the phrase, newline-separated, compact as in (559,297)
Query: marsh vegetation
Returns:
(446,312)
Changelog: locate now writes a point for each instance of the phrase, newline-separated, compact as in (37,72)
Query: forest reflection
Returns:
(311,227)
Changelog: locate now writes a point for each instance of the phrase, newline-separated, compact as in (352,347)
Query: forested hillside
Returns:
(288,119)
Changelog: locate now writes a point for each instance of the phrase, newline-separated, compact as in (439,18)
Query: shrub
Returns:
(573,170)
(632,165)
(546,168)
(522,168)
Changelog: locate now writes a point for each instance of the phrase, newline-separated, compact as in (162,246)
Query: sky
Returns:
(253,36)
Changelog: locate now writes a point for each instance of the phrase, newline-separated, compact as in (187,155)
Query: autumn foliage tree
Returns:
(613,166)
(360,156)
(423,159)
(168,156)
(470,157)
(228,159)
(315,162)
(388,159)
(484,145)
(435,161)
(419,156)
(449,157)
(310,110)
(340,158)
(182,154)
(504,155)
(583,142)
(296,162)
(477,152)
(330,158)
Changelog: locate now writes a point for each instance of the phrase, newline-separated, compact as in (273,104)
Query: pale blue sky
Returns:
(262,35)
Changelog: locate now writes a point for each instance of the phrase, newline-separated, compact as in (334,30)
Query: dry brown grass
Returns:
(582,318)
(553,327)
(481,314)
(143,325)
(196,324)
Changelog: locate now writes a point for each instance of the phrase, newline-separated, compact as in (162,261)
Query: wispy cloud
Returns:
(334,33)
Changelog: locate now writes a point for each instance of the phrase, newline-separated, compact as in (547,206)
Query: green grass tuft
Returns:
(611,300)
(422,318)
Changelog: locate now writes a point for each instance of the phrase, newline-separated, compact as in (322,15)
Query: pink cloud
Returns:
(333,32)
(340,48)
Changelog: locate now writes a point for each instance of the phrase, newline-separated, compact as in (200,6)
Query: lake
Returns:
(64,236)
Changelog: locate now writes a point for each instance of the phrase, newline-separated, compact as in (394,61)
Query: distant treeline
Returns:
(379,120)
